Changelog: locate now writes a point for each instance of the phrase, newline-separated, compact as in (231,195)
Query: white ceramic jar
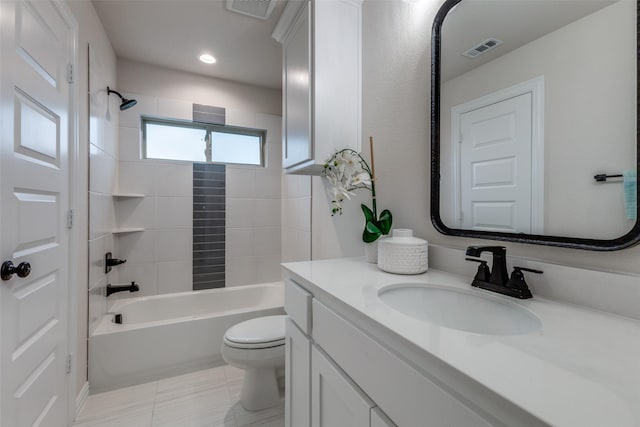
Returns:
(402,253)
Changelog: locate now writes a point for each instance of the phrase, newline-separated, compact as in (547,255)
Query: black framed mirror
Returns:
(534,122)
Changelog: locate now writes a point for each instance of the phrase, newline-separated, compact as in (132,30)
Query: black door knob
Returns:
(8,269)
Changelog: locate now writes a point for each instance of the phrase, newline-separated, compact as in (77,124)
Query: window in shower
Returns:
(198,142)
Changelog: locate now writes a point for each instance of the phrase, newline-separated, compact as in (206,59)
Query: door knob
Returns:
(8,269)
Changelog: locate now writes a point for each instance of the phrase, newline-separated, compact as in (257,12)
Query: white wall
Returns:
(296,218)
(396,106)
(103,152)
(586,132)
(160,258)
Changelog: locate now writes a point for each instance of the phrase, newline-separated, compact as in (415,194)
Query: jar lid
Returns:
(402,232)
(403,236)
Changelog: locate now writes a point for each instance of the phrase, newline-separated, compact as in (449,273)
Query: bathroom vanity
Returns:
(359,353)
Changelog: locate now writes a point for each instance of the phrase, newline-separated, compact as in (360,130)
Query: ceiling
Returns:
(514,22)
(174,33)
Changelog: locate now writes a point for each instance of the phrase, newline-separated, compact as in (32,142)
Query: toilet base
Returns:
(260,389)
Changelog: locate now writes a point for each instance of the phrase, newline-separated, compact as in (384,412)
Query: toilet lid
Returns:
(262,330)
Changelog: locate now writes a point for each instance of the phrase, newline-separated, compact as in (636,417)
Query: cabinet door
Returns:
(297,93)
(335,400)
(379,419)
(297,377)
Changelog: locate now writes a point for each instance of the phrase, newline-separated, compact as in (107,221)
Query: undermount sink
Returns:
(459,309)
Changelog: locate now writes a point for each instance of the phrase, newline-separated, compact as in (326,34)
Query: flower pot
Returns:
(371,252)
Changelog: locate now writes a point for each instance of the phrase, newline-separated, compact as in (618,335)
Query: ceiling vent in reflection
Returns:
(260,9)
(483,47)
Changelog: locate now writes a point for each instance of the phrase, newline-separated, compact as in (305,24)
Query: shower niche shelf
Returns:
(127,230)
(128,195)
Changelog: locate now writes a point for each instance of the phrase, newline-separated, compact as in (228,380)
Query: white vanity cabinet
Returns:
(335,399)
(318,392)
(321,81)
(338,375)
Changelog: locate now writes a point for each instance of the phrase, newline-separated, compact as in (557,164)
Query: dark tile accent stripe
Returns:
(208,226)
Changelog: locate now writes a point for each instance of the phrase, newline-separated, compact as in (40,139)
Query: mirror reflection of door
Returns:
(497,153)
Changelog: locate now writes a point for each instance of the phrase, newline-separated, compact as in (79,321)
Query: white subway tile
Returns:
(97,304)
(268,268)
(240,182)
(267,241)
(267,213)
(175,180)
(240,212)
(102,171)
(111,137)
(268,184)
(137,248)
(138,177)
(240,271)
(304,186)
(301,214)
(97,249)
(130,144)
(239,242)
(273,156)
(175,245)
(101,214)
(175,277)
(175,212)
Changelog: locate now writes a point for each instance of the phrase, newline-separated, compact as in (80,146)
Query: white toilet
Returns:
(257,345)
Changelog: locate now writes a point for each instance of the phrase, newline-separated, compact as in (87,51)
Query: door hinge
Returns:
(70,218)
(460,138)
(68,363)
(70,73)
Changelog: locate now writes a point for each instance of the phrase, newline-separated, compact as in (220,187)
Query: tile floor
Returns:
(208,398)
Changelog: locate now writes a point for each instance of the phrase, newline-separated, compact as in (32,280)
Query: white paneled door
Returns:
(38,38)
(495,166)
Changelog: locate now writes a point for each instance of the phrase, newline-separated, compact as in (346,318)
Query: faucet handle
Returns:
(517,278)
(483,272)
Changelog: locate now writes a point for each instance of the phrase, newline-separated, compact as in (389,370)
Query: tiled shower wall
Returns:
(160,258)
(209,209)
(296,218)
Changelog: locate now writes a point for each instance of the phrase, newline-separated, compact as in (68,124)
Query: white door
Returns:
(35,99)
(495,166)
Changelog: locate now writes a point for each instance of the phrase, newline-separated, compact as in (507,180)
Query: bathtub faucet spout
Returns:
(133,287)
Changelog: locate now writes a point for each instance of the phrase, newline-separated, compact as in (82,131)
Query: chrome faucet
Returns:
(497,279)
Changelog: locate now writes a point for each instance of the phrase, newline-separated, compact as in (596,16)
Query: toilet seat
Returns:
(260,333)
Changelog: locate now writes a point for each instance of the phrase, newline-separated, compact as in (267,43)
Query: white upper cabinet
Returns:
(321,80)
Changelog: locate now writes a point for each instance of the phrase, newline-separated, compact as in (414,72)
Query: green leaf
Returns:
(386,221)
(369,237)
(372,228)
(368,213)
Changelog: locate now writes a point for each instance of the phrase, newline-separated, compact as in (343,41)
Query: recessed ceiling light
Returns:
(207,59)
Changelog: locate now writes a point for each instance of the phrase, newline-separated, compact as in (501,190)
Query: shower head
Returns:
(126,103)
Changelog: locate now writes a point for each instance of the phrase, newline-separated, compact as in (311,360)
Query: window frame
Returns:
(209,128)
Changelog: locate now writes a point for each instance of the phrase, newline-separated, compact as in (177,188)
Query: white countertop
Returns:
(581,369)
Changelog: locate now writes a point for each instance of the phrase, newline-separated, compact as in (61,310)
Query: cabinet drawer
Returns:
(423,404)
(297,304)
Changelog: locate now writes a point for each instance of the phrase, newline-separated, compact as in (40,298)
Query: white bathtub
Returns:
(171,334)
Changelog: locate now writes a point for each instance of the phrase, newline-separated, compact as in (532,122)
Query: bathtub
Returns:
(172,334)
